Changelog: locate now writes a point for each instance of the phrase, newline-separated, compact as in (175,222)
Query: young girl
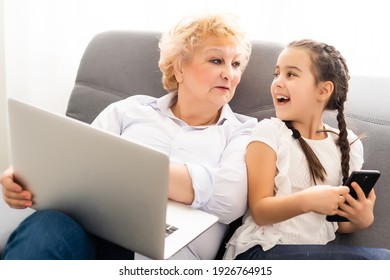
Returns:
(295,161)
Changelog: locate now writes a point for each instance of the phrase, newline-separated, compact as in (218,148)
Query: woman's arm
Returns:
(13,194)
(221,186)
(180,184)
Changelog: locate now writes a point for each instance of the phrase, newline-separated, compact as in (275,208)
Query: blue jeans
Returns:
(315,252)
(49,234)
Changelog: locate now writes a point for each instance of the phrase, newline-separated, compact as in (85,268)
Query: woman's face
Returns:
(211,75)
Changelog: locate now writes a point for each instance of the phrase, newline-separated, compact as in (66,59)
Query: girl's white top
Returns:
(292,176)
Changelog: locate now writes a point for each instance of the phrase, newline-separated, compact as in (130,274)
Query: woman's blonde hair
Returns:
(178,44)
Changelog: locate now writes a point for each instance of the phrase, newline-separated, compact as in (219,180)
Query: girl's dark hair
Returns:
(327,65)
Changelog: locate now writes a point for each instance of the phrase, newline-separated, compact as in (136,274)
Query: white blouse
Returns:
(294,175)
(213,155)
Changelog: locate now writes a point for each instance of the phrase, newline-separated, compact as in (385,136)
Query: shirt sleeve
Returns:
(222,190)
(268,131)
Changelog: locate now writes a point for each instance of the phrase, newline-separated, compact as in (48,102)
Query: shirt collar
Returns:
(165,103)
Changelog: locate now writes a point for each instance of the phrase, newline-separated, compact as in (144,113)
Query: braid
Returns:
(343,143)
(316,168)
(336,102)
(329,65)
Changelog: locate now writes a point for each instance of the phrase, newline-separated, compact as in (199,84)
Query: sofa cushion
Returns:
(115,65)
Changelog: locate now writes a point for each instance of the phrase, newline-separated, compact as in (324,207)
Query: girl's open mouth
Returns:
(282,99)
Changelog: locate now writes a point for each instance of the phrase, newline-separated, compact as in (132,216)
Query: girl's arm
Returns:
(266,208)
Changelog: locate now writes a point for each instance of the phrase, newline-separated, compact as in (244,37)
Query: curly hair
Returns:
(178,44)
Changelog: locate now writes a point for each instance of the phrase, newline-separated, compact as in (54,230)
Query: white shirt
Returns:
(214,156)
(293,175)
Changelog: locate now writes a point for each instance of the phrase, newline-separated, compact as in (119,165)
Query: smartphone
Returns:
(366,180)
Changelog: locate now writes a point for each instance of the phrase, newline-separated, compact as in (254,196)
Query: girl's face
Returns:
(294,90)
(210,77)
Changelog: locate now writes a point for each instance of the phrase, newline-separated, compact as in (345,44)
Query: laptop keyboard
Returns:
(169,229)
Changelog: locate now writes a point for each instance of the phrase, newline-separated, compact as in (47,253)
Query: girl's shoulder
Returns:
(270,124)
(272,129)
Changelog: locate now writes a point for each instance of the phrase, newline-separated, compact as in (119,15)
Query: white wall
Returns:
(4,156)
(45,39)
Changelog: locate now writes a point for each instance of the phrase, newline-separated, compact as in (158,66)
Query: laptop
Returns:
(115,189)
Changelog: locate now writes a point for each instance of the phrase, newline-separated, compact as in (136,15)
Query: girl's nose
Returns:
(278,81)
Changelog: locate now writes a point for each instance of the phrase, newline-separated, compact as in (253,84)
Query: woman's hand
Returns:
(13,194)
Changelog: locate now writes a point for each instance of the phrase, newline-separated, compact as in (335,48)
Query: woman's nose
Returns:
(227,73)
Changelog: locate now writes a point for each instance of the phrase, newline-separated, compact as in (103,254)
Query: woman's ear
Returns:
(177,70)
(326,90)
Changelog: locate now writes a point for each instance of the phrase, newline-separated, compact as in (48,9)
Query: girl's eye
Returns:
(276,75)
(291,74)
(236,64)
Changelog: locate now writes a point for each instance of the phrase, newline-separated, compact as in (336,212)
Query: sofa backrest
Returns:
(368,115)
(118,64)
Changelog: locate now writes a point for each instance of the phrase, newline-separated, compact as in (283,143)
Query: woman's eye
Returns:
(216,61)
(276,75)
(236,64)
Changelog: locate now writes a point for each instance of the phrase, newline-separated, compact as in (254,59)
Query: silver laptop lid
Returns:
(114,188)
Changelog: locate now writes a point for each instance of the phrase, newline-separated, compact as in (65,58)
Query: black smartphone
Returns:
(366,180)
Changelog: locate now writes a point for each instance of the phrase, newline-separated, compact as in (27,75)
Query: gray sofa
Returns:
(117,64)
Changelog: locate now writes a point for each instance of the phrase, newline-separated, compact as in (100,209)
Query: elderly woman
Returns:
(201,60)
